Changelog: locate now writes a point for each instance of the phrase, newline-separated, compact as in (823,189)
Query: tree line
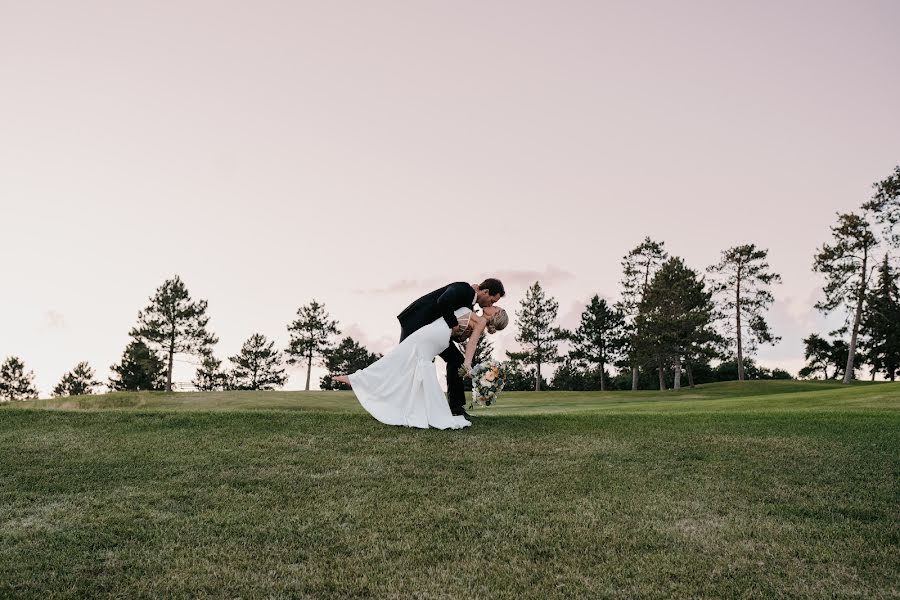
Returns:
(173,324)
(671,320)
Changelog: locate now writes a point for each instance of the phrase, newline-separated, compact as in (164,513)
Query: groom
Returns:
(441,303)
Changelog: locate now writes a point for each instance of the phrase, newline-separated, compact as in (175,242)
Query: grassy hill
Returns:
(763,489)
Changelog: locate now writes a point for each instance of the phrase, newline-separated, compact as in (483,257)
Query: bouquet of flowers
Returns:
(488,379)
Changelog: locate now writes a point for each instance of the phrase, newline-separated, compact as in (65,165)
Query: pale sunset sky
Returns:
(364,153)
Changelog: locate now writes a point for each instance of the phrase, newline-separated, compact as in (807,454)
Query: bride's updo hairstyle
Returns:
(499,321)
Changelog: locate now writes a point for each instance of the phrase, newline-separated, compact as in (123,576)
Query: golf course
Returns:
(740,489)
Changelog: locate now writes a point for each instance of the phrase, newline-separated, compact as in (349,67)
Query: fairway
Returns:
(754,489)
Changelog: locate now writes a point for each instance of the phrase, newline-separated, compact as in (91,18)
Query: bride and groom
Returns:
(402,387)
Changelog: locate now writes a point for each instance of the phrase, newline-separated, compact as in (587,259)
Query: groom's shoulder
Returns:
(456,285)
(456,288)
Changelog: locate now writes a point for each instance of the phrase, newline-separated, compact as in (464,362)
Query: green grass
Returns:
(761,489)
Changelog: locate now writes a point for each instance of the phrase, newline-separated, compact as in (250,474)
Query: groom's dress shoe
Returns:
(461,412)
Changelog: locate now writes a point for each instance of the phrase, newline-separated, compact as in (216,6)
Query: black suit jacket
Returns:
(438,304)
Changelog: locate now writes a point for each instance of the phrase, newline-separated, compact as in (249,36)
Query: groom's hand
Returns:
(455,331)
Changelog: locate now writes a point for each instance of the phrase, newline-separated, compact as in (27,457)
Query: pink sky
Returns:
(364,153)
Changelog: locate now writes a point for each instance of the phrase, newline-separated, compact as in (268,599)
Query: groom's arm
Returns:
(455,296)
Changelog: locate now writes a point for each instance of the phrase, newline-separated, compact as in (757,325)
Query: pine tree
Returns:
(209,376)
(570,376)
(846,266)
(345,358)
(15,383)
(743,283)
(174,324)
(310,336)
(822,354)
(77,382)
(674,319)
(638,268)
(599,339)
(703,346)
(537,334)
(140,369)
(258,365)
(520,377)
(881,323)
(885,204)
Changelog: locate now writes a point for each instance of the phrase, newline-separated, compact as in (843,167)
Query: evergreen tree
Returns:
(77,382)
(881,323)
(699,370)
(140,369)
(599,339)
(310,336)
(174,324)
(345,358)
(821,355)
(537,334)
(638,268)
(15,382)
(846,264)
(727,371)
(885,204)
(258,365)
(743,282)
(570,376)
(521,377)
(781,374)
(703,346)
(674,319)
(210,376)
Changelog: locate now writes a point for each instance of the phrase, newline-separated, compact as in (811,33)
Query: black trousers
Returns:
(456,393)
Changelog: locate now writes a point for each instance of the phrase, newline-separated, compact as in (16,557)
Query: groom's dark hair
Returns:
(493,286)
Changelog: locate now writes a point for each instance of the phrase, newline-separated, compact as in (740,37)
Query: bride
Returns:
(402,387)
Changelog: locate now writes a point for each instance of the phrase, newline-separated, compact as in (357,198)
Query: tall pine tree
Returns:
(674,319)
(537,333)
(638,268)
(881,323)
(173,324)
(311,335)
(599,339)
(846,264)
(885,204)
(743,282)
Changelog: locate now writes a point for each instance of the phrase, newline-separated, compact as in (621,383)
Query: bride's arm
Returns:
(478,324)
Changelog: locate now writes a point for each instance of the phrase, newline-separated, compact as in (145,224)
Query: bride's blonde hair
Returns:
(497,322)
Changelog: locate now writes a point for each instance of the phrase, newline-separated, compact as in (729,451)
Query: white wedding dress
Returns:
(402,387)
